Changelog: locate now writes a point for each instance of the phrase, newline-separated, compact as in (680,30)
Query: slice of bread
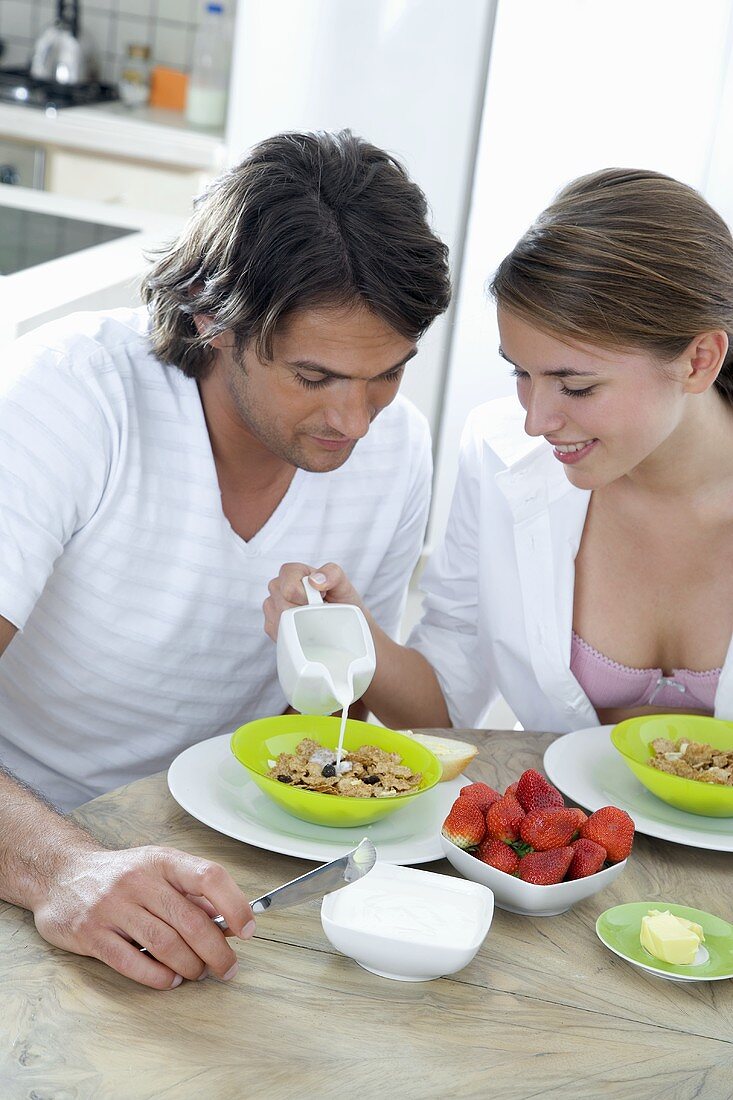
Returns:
(453,755)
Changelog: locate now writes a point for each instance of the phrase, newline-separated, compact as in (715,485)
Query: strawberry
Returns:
(581,817)
(545,868)
(613,829)
(497,854)
(503,819)
(511,789)
(465,825)
(588,857)
(534,792)
(553,827)
(481,794)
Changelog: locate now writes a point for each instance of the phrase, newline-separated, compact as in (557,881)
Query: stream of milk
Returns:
(338,662)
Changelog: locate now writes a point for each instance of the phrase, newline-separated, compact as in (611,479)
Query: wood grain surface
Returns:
(544,1010)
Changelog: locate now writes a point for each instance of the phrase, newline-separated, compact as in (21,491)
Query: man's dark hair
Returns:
(305,221)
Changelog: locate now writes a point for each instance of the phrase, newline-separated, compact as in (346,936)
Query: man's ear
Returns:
(203,323)
(706,355)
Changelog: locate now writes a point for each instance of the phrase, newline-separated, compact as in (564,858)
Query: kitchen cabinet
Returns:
(136,184)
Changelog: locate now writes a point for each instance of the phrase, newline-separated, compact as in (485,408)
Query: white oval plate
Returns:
(586,767)
(208,783)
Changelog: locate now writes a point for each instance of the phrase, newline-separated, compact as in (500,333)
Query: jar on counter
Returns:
(134,85)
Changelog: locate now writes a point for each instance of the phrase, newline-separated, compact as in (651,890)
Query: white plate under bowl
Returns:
(588,769)
(208,783)
(517,896)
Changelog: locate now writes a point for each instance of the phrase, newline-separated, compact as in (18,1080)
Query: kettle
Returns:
(325,654)
(58,54)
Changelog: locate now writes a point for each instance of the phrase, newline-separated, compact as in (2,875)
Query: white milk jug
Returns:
(325,654)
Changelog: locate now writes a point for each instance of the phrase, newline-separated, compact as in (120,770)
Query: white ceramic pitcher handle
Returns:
(313,595)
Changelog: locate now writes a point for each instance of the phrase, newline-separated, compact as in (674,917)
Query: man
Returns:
(157,467)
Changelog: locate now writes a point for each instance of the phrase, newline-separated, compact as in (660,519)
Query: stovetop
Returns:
(31,237)
(17,86)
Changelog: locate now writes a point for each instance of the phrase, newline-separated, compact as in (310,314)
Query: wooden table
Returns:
(544,1010)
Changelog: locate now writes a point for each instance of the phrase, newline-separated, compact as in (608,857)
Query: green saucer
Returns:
(619,929)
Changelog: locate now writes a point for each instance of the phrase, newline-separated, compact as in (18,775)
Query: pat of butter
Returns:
(669,938)
(696,928)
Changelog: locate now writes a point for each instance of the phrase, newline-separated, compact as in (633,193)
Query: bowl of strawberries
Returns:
(538,856)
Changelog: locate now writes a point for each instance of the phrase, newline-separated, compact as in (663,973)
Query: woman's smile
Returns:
(570,453)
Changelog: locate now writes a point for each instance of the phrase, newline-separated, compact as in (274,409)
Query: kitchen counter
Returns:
(145,133)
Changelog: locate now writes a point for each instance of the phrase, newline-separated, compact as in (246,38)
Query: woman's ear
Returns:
(705,357)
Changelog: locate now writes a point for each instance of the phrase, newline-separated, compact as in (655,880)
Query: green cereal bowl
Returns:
(259,742)
(632,739)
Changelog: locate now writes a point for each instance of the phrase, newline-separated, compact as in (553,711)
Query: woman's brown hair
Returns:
(625,258)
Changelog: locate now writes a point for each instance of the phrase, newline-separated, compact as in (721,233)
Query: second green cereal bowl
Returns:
(260,742)
(632,740)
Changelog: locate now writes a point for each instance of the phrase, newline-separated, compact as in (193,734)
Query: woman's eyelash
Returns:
(563,389)
(577,393)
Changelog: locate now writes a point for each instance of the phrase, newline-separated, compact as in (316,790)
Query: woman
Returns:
(587,578)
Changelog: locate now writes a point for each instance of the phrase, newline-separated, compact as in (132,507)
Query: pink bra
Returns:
(609,684)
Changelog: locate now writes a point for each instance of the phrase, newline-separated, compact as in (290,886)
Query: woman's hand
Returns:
(287,591)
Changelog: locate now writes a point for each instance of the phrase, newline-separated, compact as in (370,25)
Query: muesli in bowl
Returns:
(260,745)
(647,742)
(366,772)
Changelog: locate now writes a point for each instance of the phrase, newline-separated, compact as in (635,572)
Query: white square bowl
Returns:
(524,897)
(412,926)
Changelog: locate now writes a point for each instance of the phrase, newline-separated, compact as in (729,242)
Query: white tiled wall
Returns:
(167,26)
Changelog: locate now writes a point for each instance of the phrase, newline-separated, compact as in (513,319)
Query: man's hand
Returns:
(105,903)
(286,591)
(108,904)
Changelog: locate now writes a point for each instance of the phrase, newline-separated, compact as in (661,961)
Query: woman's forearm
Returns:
(405,693)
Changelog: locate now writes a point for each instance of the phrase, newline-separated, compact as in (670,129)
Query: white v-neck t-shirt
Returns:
(139,609)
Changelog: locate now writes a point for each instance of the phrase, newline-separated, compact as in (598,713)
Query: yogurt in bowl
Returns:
(412,926)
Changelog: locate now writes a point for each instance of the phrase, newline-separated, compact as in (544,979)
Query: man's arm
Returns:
(95,901)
